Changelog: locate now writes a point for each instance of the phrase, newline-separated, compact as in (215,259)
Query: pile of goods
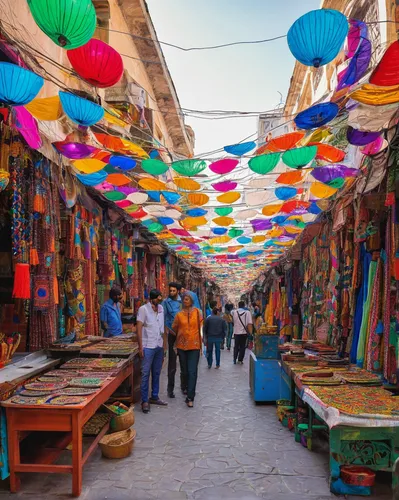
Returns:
(115,346)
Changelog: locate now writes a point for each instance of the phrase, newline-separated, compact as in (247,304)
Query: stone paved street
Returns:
(225,448)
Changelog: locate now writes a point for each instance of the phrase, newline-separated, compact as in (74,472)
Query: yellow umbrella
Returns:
(47,109)
(223,221)
(269,210)
(229,197)
(151,184)
(89,165)
(198,199)
(321,190)
(187,184)
(376,96)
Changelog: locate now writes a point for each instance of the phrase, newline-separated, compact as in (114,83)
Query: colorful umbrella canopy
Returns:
(316,116)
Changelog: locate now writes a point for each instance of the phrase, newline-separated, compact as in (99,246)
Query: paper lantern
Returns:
(246,214)
(294,205)
(329,153)
(299,157)
(123,162)
(196,212)
(114,195)
(291,178)
(224,186)
(223,211)
(316,116)
(166,221)
(361,138)
(270,210)
(223,166)
(118,179)
(316,38)
(261,182)
(155,195)
(134,149)
(151,184)
(154,167)
(258,239)
(285,193)
(264,163)
(81,111)
(261,224)
(155,227)
(376,96)
(46,109)
(357,66)
(244,240)
(188,168)
(386,74)
(228,198)
(74,150)
(89,165)
(92,179)
(257,198)
(332,172)
(173,213)
(240,149)
(223,221)
(69,23)
(220,240)
(138,198)
(374,147)
(282,143)
(317,136)
(198,199)
(219,231)
(321,190)
(27,127)
(18,86)
(187,184)
(97,63)
(171,197)
(104,156)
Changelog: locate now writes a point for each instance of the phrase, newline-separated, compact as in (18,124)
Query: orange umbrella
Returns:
(118,179)
(329,153)
(187,184)
(270,210)
(198,199)
(282,143)
(229,197)
(291,178)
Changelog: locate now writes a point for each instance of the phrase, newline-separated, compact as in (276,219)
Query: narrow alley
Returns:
(226,447)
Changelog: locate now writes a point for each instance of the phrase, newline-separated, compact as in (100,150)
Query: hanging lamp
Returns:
(97,63)
(316,38)
(69,23)
(18,86)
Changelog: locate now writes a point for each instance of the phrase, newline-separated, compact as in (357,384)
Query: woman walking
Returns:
(187,326)
(215,330)
(229,320)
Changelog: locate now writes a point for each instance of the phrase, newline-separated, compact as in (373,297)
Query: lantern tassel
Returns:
(34,257)
(21,288)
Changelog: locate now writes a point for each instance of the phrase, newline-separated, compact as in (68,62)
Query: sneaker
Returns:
(217,367)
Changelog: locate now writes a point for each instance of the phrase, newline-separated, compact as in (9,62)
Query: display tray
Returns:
(46,386)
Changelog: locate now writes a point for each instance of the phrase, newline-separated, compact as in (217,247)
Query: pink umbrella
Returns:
(224,166)
(27,127)
(224,186)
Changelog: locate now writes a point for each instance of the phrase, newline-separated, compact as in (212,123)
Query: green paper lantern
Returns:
(235,233)
(154,167)
(189,168)
(264,164)
(299,157)
(155,227)
(223,211)
(114,195)
(69,23)
(337,183)
(110,169)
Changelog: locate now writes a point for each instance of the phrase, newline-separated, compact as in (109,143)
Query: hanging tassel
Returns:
(21,288)
(56,291)
(38,204)
(34,257)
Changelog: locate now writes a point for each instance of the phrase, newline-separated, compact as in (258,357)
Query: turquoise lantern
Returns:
(316,38)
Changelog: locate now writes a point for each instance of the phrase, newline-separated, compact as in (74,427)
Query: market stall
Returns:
(63,406)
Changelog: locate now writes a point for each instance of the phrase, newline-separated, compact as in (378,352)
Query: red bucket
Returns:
(357,475)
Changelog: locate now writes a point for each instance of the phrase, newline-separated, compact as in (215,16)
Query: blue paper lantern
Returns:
(171,197)
(243,240)
(81,111)
(285,193)
(316,38)
(219,231)
(123,162)
(240,149)
(92,179)
(196,212)
(165,221)
(154,195)
(18,86)
(316,116)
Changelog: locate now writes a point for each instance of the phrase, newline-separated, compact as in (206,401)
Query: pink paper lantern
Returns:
(224,166)
(225,186)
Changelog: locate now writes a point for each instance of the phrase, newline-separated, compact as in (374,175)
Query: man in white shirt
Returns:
(152,347)
(242,321)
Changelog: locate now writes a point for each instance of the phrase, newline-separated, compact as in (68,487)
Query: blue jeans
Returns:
(229,335)
(209,352)
(151,363)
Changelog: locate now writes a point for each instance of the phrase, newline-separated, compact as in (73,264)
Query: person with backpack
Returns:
(242,321)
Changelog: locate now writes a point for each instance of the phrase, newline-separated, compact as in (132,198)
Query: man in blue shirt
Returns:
(171,306)
(110,314)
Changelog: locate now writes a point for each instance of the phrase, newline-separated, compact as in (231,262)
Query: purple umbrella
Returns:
(261,224)
(359,137)
(332,172)
(74,150)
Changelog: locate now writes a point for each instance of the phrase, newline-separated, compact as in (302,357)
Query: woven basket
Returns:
(118,445)
(123,422)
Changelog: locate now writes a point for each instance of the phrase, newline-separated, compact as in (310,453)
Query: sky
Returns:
(242,78)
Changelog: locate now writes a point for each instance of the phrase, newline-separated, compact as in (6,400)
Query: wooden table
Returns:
(23,419)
